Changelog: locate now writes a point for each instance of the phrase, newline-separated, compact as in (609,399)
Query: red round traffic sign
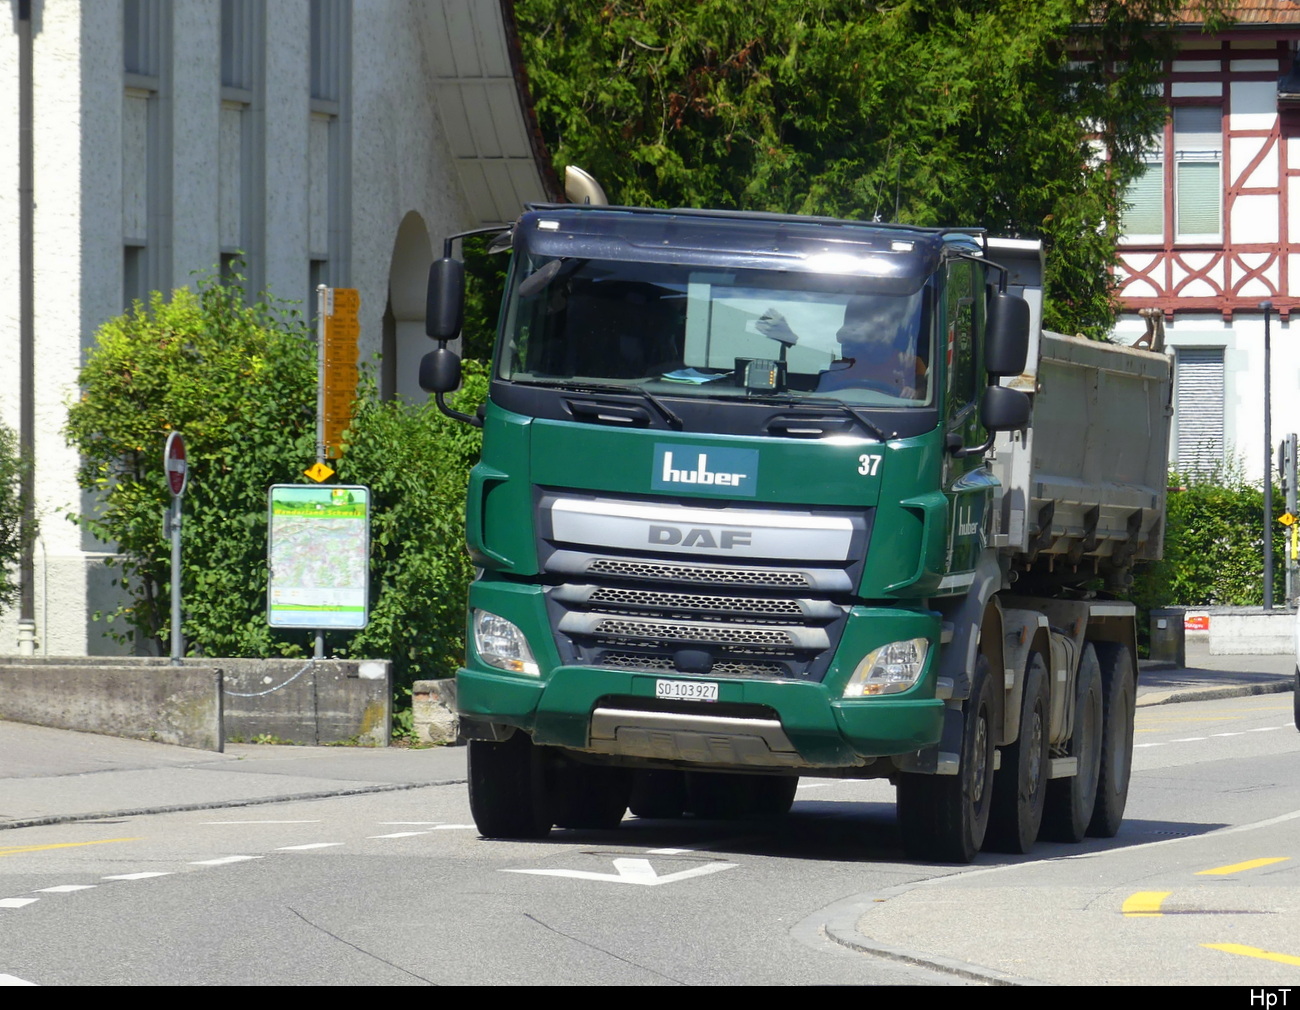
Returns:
(174,463)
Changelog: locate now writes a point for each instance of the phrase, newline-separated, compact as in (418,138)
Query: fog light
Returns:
(501,644)
(891,668)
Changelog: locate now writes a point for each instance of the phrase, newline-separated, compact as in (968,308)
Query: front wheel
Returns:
(943,818)
(507,788)
(1118,694)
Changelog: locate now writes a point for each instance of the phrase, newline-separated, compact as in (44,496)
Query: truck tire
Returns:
(658,794)
(1020,786)
(1118,697)
(507,788)
(720,797)
(943,818)
(587,796)
(1070,801)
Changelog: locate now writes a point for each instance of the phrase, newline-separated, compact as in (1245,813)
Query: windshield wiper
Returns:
(593,387)
(812,415)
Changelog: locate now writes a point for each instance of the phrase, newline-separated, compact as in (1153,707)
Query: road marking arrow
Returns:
(633,871)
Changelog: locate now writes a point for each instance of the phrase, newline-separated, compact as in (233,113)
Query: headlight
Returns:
(891,668)
(500,643)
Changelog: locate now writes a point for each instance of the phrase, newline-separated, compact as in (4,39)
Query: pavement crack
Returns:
(603,950)
(359,950)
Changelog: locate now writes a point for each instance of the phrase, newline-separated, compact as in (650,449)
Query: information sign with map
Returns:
(318,550)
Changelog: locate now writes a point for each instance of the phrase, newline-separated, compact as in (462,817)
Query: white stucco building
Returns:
(329,141)
(1214,231)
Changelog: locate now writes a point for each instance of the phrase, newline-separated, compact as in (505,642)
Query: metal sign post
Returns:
(337,330)
(177,470)
(1268,459)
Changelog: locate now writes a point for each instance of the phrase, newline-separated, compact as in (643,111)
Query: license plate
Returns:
(686,690)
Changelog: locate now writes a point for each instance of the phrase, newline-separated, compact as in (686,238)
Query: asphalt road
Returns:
(142,864)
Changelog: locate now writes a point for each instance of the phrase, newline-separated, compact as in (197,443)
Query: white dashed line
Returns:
(16,902)
(309,845)
(138,876)
(1213,736)
(223,860)
(400,834)
(65,888)
(13,980)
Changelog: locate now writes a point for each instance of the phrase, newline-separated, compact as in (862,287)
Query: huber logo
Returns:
(725,471)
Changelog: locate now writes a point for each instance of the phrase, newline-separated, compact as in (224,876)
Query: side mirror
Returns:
(440,371)
(444,309)
(1004,409)
(1006,336)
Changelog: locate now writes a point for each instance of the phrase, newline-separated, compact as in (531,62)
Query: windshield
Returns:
(674,329)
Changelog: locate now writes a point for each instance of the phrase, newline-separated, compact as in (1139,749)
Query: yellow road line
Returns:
(1267,955)
(13,850)
(1144,904)
(1250,864)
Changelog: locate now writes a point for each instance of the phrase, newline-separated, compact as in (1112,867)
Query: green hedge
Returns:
(239,381)
(1214,545)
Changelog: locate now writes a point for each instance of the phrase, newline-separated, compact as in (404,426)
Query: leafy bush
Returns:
(1214,545)
(12,534)
(239,381)
(416,463)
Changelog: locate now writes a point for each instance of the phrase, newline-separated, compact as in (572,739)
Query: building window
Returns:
(1144,211)
(1198,174)
(1194,175)
(1198,409)
(146,146)
(328,141)
(240,144)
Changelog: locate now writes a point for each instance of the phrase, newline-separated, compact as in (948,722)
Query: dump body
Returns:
(1088,479)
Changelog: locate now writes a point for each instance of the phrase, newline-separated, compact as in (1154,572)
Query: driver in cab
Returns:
(876,352)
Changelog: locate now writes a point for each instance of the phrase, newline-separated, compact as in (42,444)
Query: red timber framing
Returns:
(1234,273)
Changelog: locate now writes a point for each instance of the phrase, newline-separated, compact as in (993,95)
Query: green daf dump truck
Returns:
(764,496)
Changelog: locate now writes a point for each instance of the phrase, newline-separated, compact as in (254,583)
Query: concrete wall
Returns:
(202,703)
(175,705)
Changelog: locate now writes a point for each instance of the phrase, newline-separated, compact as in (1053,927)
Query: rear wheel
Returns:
(944,817)
(1118,697)
(507,788)
(587,796)
(1070,801)
(1020,787)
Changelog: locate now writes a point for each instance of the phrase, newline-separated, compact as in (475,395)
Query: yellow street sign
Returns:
(1286,519)
(318,472)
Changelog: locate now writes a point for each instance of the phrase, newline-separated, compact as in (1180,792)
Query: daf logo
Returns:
(701,538)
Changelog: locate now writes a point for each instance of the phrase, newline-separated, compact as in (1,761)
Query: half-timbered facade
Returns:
(1212,231)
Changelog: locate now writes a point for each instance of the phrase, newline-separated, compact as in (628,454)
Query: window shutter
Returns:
(1145,200)
(1198,398)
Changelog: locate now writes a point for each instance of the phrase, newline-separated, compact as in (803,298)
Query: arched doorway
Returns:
(404,342)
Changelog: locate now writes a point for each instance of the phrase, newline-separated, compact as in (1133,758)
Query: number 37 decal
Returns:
(869,463)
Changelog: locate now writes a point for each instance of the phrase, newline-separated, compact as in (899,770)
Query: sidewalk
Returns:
(1207,677)
(48,776)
